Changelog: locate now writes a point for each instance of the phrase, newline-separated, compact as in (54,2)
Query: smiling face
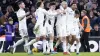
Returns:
(74,6)
(64,5)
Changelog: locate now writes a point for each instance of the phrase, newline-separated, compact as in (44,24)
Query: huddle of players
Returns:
(67,27)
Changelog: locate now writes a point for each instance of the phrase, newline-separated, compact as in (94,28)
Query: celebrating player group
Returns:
(68,27)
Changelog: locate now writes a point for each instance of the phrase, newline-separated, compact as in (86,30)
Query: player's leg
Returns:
(58,36)
(31,42)
(64,45)
(51,43)
(65,42)
(18,42)
(57,43)
(28,47)
(78,45)
(44,44)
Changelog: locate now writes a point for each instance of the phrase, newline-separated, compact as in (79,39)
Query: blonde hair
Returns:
(64,2)
(84,11)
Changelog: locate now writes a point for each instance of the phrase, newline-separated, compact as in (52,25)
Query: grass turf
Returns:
(58,54)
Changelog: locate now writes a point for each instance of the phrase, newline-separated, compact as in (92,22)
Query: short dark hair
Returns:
(20,2)
(72,4)
(52,3)
(38,4)
(77,12)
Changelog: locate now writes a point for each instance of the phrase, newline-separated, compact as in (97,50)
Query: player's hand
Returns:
(64,12)
(36,30)
(82,28)
(27,13)
(30,16)
(58,11)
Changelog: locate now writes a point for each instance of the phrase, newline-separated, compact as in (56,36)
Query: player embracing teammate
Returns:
(67,27)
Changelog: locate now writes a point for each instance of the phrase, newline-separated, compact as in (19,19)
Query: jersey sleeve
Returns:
(19,15)
(48,13)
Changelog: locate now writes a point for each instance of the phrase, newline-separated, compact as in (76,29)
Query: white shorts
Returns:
(41,30)
(49,29)
(23,32)
(61,31)
(77,33)
(70,30)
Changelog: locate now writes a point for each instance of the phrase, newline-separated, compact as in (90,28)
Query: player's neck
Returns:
(51,9)
(21,8)
(41,7)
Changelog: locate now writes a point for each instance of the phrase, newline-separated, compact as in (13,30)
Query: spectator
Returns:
(12,14)
(32,24)
(1,14)
(94,6)
(80,6)
(95,31)
(28,3)
(98,1)
(3,19)
(93,18)
(98,19)
(2,32)
(88,5)
(9,28)
(4,5)
(16,30)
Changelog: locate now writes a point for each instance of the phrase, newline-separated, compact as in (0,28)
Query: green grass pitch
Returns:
(58,54)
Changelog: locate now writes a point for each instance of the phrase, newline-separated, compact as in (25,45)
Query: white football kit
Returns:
(50,19)
(70,18)
(22,23)
(40,13)
(76,27)
(61,25)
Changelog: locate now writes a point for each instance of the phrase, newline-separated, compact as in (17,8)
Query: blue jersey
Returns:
(9,31)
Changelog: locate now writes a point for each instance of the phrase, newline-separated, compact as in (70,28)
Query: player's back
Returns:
(40,15)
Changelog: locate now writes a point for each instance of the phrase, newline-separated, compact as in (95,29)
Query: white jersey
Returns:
(52,17)
(76,22)
(40,13)
(61,18)
(22,23)
(70,15)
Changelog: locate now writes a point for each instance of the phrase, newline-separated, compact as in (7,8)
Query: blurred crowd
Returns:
(8,10)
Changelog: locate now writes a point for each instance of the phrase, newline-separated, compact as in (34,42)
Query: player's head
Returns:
(21,4)
(64,4)
(10,20)
(83,13)
(52,5)
(77,13)
(74,6)
(40,4)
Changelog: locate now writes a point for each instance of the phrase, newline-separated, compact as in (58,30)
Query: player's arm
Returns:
(48,13)
(22,17)
(80,26)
